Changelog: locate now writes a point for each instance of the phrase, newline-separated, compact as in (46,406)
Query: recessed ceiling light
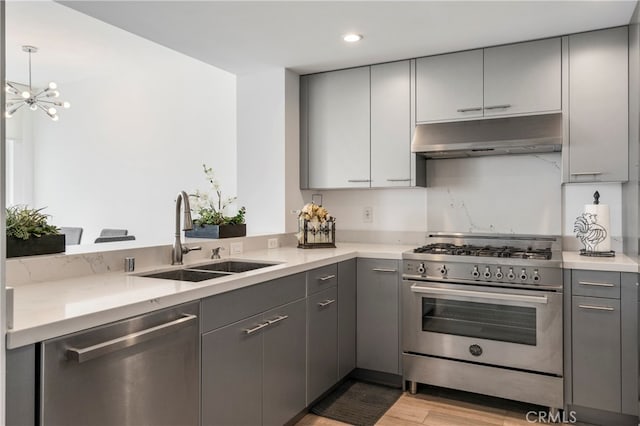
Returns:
(352,38)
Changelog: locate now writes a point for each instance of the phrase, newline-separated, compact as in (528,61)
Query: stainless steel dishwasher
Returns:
(139,371)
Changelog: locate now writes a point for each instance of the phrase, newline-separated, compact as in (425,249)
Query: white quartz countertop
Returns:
(618,263)
(50,309)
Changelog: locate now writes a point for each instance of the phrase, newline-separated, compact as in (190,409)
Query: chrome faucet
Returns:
(178,249)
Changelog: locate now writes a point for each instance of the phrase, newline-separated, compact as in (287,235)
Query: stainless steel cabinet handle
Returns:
(256,328)
(328,277)
(94,351)
(399,180)
(585,173)
(359,180)
(470,109)
(595,284)
(479,294)
(278,319)
(384,270)
(325,303)
(597,308)
(504,106)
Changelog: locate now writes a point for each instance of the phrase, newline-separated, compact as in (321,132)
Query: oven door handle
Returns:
(479,294)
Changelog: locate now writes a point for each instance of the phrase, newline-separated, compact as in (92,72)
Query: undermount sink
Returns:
(231,266)
(208,271)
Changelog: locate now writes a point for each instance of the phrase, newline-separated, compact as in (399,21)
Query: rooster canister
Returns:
(593,227)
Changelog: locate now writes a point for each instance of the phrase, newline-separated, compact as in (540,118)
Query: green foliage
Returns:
(23,223)
(210,211)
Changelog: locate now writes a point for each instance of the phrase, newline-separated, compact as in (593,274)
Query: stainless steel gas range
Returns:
(483,313)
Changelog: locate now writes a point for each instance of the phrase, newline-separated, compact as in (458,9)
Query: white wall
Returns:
(132,139)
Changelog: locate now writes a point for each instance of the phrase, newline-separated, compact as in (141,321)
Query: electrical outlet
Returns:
(272,243)
(367,214)
(236,248)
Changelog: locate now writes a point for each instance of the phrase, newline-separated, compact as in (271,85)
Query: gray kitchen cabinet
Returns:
(391,124)
(378,337)
(603,349)
(337,128)
(598,107)
(449,87)
(523,78)
(322,342)
(346,317)
(21,386)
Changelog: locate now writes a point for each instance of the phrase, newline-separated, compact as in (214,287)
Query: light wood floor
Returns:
(432,407)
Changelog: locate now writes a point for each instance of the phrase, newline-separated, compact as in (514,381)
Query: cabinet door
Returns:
(338,117)
(346,317)
(232,375)
(283,394)
(598,106)
(523,78)
(596,353)
(391,124)
(322,338)
(449,87)
(378,342)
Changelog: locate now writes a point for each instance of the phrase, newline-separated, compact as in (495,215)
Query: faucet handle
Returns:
(186,249)
(215,252)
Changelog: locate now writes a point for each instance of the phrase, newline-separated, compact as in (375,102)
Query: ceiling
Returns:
(246,36)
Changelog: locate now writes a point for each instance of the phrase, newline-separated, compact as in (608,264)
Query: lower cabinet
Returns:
(378,337)
(322,342)
(253,371)
(346,317)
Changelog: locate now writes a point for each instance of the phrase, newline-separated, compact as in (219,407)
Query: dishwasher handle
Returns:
(94,351)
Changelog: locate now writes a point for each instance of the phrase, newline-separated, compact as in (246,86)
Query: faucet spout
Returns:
(178,249)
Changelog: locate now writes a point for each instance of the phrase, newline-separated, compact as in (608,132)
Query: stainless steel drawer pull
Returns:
(399,180)
(359,180)
(256,328)
(328,277)
(470,109)
(278,319)
(597,308)
(384,270)
(472,294)
(94,351)
(504,106)
(585,173)
(325,303)
(595,284)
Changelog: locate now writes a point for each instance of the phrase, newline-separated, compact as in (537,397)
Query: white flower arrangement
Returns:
(316,221)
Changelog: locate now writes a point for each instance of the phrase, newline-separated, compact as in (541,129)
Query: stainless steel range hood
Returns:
(498,136)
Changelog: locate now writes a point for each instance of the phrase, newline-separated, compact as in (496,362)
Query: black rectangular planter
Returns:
(217,231)
(45,244)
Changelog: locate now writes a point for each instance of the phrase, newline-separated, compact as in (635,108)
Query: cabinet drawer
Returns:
(595,284)
(226,308)
(322,278)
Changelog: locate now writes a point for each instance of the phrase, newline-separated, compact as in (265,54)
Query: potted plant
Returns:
(29,233)
(211,221)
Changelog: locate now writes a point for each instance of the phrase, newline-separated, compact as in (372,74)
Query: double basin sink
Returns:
(208,271)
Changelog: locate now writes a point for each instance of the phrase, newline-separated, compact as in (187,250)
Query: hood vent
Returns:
(497,136)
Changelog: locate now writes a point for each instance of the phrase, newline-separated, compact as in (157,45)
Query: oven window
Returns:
(514,324)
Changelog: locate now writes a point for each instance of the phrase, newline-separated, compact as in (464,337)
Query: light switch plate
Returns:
(272,243)
(236,248)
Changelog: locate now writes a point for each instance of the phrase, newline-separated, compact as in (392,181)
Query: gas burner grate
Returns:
(485,251)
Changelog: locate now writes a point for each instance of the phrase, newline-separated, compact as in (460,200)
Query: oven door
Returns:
(497,326)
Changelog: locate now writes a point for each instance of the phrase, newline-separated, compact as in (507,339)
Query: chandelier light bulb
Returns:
(53,86)
(33,107)
(25,95)
(55,118)
(55,93)
(7,115)
(52,111)
(66,105)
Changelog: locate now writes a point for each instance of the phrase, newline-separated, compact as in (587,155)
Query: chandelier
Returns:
(44,100)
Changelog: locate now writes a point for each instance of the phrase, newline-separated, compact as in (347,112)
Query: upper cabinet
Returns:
(523,78)
(598,107)
(337,127)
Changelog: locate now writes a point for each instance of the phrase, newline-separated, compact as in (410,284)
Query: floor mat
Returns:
(357,403)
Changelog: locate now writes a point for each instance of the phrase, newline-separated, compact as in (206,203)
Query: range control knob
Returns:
(536,276)
(487,273)
(523,274)
(443,270)
(421,268)
(475,273)
(499,274)
(476,350)
(510,275)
